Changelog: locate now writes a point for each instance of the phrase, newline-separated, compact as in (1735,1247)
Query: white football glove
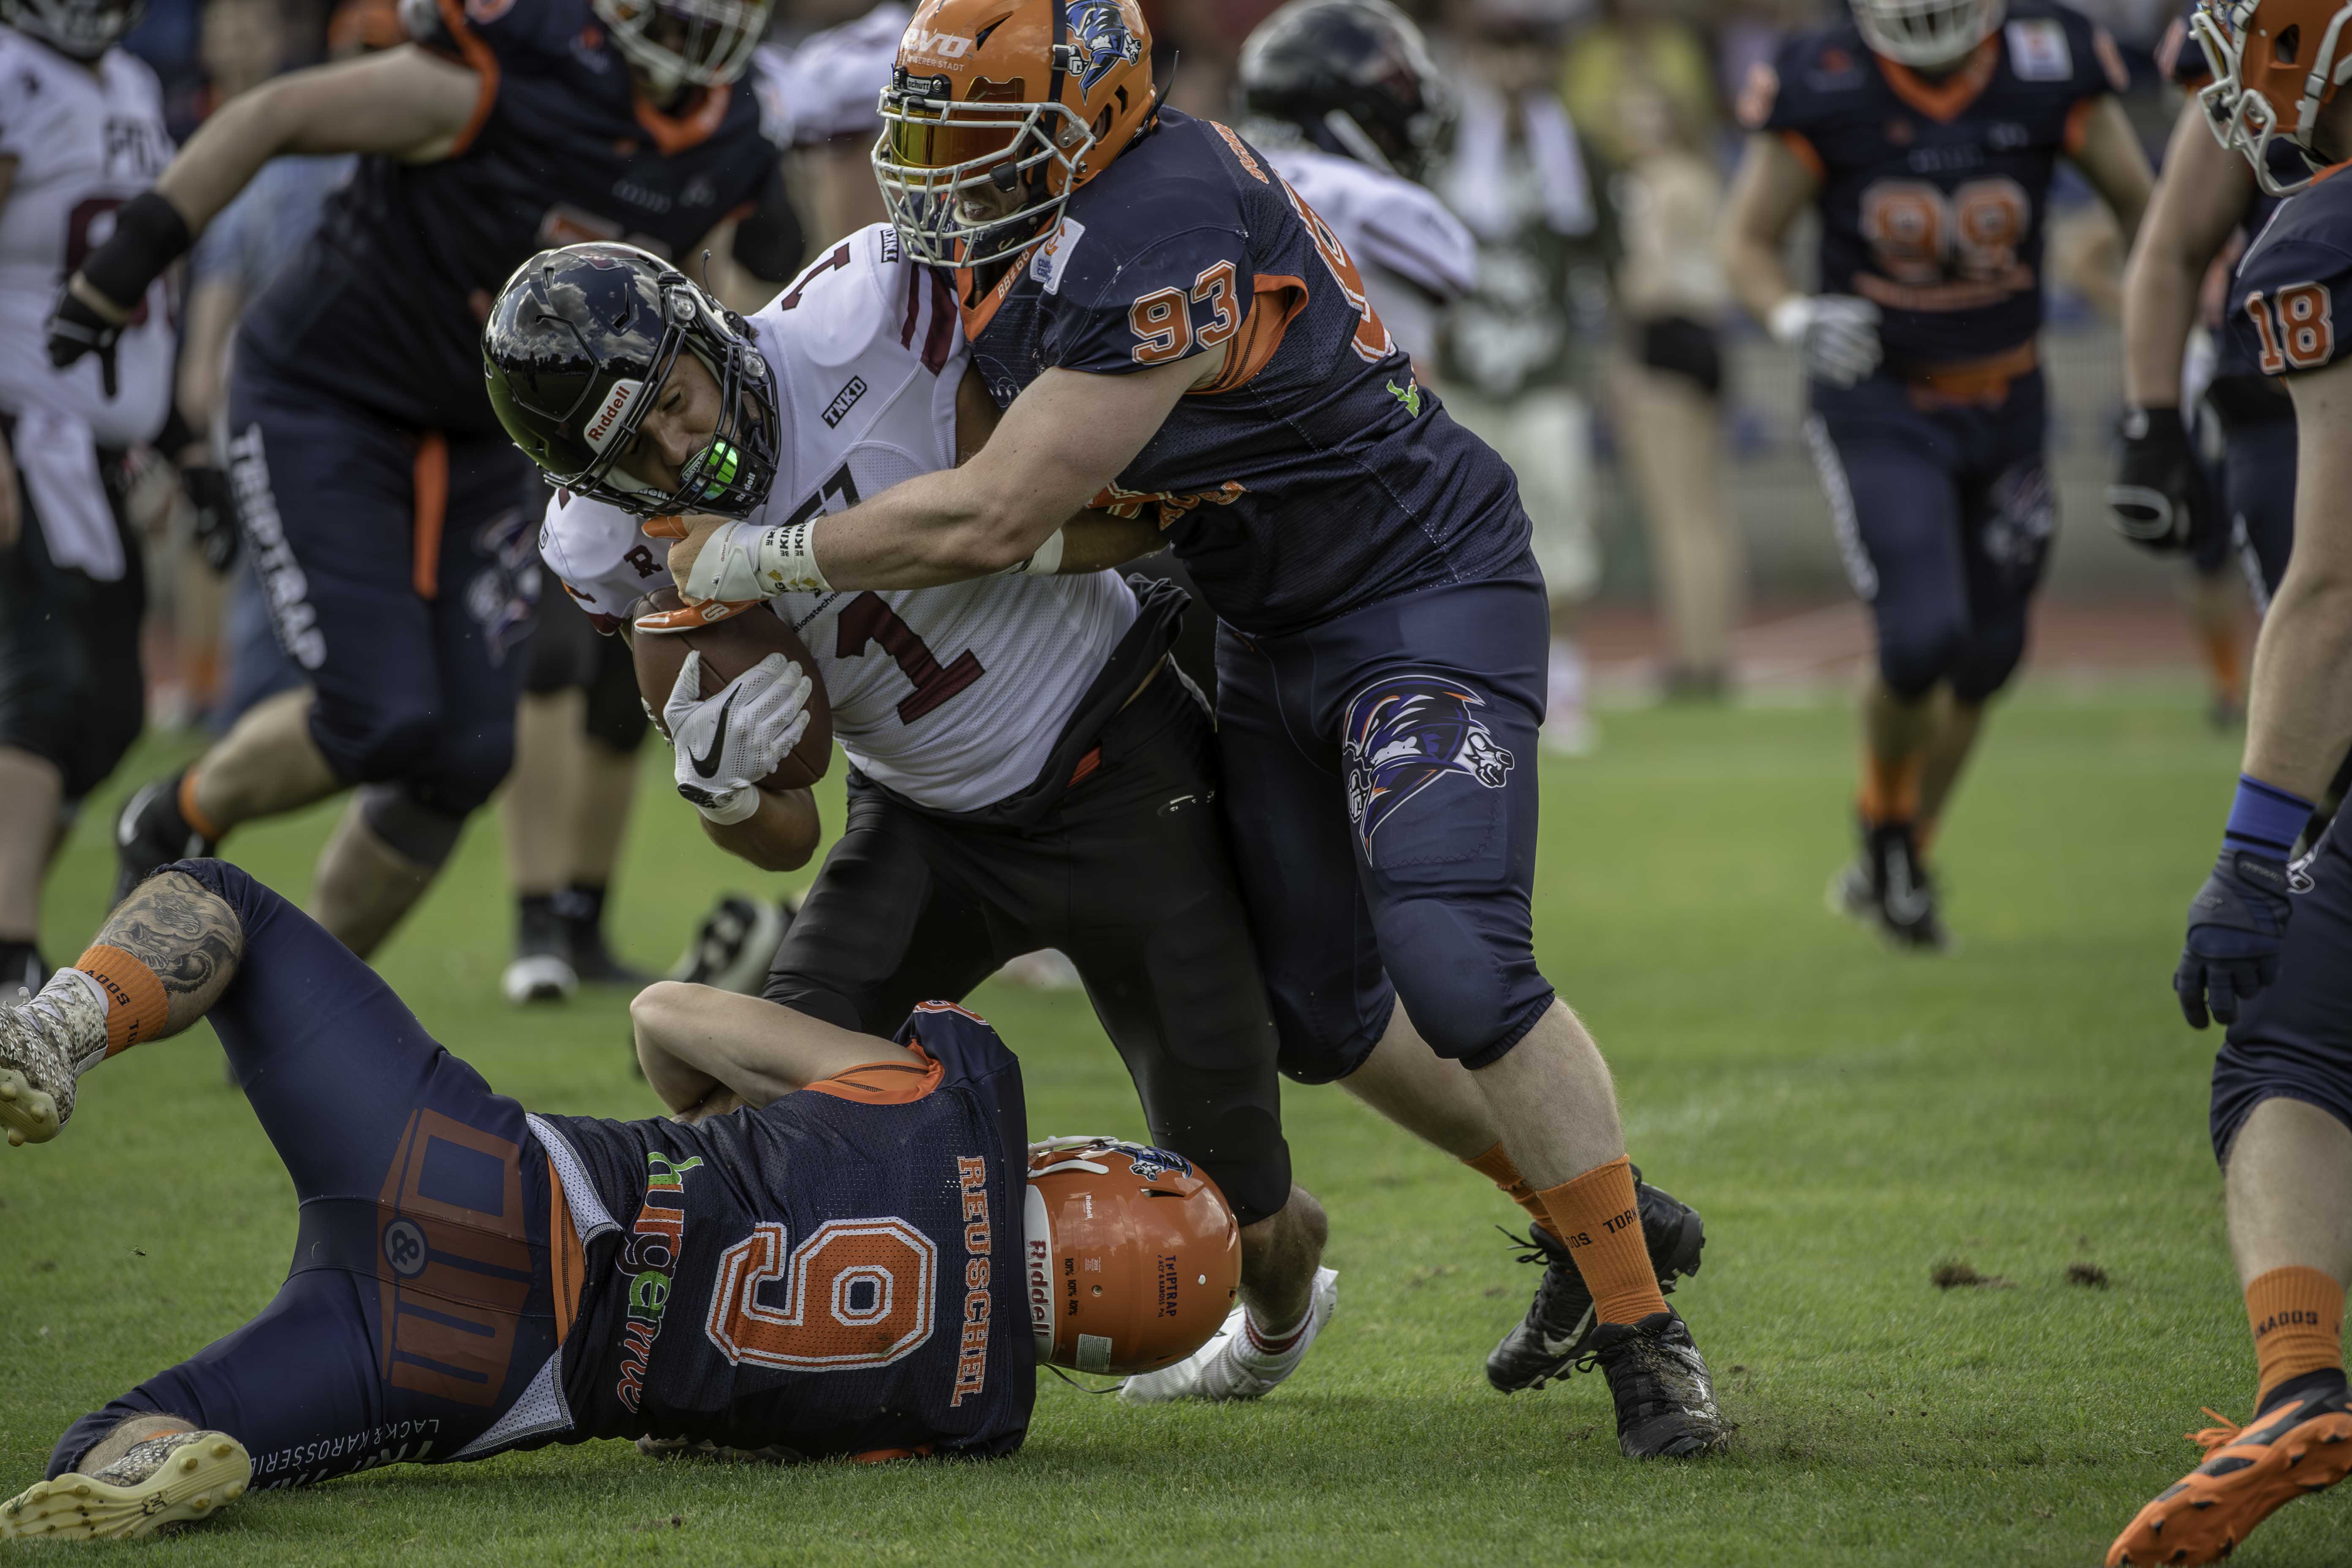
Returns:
(1837,334)
(743,561)
(729,742)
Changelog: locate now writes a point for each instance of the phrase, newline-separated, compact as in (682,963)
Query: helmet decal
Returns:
(1100,40)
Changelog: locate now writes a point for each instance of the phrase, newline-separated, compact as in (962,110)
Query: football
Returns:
(729,647)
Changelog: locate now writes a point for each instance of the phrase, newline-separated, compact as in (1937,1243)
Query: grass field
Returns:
(1846,1120)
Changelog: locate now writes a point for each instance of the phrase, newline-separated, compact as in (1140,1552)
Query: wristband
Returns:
(2265,819)
(1788,319)
(1042,562)
(788,560)
(732,809)
(148,236)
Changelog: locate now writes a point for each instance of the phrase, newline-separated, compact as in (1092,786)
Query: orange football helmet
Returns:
(997,110)
(1133,1254)
(2275,64)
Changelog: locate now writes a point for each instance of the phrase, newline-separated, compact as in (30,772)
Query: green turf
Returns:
(1845,1118)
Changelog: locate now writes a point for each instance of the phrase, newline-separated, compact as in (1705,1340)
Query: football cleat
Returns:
(1886,887)
(176,1479)
(38,1059)
(1557,1332)
(21,969)
(2303,1446)
(735,945)
(541,970)
(1238,1362)
(1665,1399)
(579,922)
(149,833)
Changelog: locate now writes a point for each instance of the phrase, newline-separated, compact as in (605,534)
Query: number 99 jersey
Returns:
(85,140)
(1934,192)
(837,1274)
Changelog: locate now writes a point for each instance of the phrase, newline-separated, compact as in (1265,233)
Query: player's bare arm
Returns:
(781,835)
(2109,156)
(692,1039)
(2300,719)
(2191,214)
(1770,189)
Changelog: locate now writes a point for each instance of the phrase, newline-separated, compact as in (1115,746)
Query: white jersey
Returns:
(86,141)
(829,85)
(952,696)
(1415,255)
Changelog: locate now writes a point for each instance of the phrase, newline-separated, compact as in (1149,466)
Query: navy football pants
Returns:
(1945,518)
(2258,498)
(1381,794)
(402,573)
(2294,1041)
(418,1306)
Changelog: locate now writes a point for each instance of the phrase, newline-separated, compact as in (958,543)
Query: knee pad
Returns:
(1912,658)
(412,829)
(1473,994)
(1992,656)
(466,768)
(373,747)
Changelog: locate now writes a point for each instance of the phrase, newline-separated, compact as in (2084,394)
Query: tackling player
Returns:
(1171,331)
(825,1252)
(1025,759)
(2269,948)
(383,508)
(1925,134)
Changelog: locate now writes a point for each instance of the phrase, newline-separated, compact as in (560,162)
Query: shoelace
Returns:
(1530,1251)
(2218,1437)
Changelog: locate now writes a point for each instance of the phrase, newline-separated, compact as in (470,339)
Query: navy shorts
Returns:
(1381,793)
(2294,1041)
(1945,517)
(419,1310)
(2258,496)
(402,574)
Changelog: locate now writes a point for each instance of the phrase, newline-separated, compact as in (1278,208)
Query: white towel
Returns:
(57,454)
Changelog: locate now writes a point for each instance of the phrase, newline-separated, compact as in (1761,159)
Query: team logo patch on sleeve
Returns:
(1405,734)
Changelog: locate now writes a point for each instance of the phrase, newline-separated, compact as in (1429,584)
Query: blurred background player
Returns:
(1924,134)
(2268,952)
(384,509)
(1517,358)
(81,133)
(2179,286)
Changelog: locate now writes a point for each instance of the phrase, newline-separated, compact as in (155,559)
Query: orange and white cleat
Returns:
(2304,1445)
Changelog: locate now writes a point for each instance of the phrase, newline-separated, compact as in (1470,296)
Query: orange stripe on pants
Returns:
(432,484)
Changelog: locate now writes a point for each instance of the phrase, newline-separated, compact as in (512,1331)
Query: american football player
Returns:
(382,504)
(1925,134)
(1173,332)
(2267,945)
(1024,758)
(826,1252)
(81,133)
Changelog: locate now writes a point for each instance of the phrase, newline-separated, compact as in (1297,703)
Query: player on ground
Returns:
(1925,134)
(837,1271)
(2206,205)
(81,133)
(1171,330)
(1024,759)
(2269,949)
(384,506)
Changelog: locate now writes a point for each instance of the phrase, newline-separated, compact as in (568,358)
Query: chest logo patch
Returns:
(843,402)
(2038,51)
(1054,254)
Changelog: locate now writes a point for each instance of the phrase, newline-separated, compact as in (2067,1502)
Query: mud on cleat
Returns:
(1665,1398)
(1238,1363)
(149,834)
(1558,1330)
(2303,1446)
(178,1478)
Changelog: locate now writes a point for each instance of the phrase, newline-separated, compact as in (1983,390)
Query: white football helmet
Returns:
(1927,32)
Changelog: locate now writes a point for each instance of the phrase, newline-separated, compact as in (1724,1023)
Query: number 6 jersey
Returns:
(1933,191)
(953,697)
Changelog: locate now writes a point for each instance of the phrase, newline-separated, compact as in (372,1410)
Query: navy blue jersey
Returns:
(2283,315)
(2184,63)
(386,305)
(1313,475)
(837,1274)
(1933,193)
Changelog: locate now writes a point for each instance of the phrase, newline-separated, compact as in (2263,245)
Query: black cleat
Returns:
(580,916)
(1887,888)
(149,834)
(1559,1327)
(1665,1400)
(541,970)
(735,945)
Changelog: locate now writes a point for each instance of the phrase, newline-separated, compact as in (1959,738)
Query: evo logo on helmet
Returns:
(611,415)
(971,1360)
(935,45)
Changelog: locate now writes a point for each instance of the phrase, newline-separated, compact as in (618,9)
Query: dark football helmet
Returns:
(1351,76)
(84,30)
(575,352)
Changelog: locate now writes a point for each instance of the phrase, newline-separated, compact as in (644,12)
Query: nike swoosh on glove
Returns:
(729,742)
(2158,499)
(2237,924)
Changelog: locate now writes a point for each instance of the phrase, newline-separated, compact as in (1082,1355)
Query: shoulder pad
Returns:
(1813,75)
(2294,276)
(601,556)
(857,294)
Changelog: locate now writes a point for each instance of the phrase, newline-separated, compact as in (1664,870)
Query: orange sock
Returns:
(2222,656)
(1497,1168)
(1598,1217)
(136,1009)
(1890,790)
(193,814)
(2297,1315)
(1922,834)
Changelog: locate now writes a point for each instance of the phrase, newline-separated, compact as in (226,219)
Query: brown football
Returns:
(729,647)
